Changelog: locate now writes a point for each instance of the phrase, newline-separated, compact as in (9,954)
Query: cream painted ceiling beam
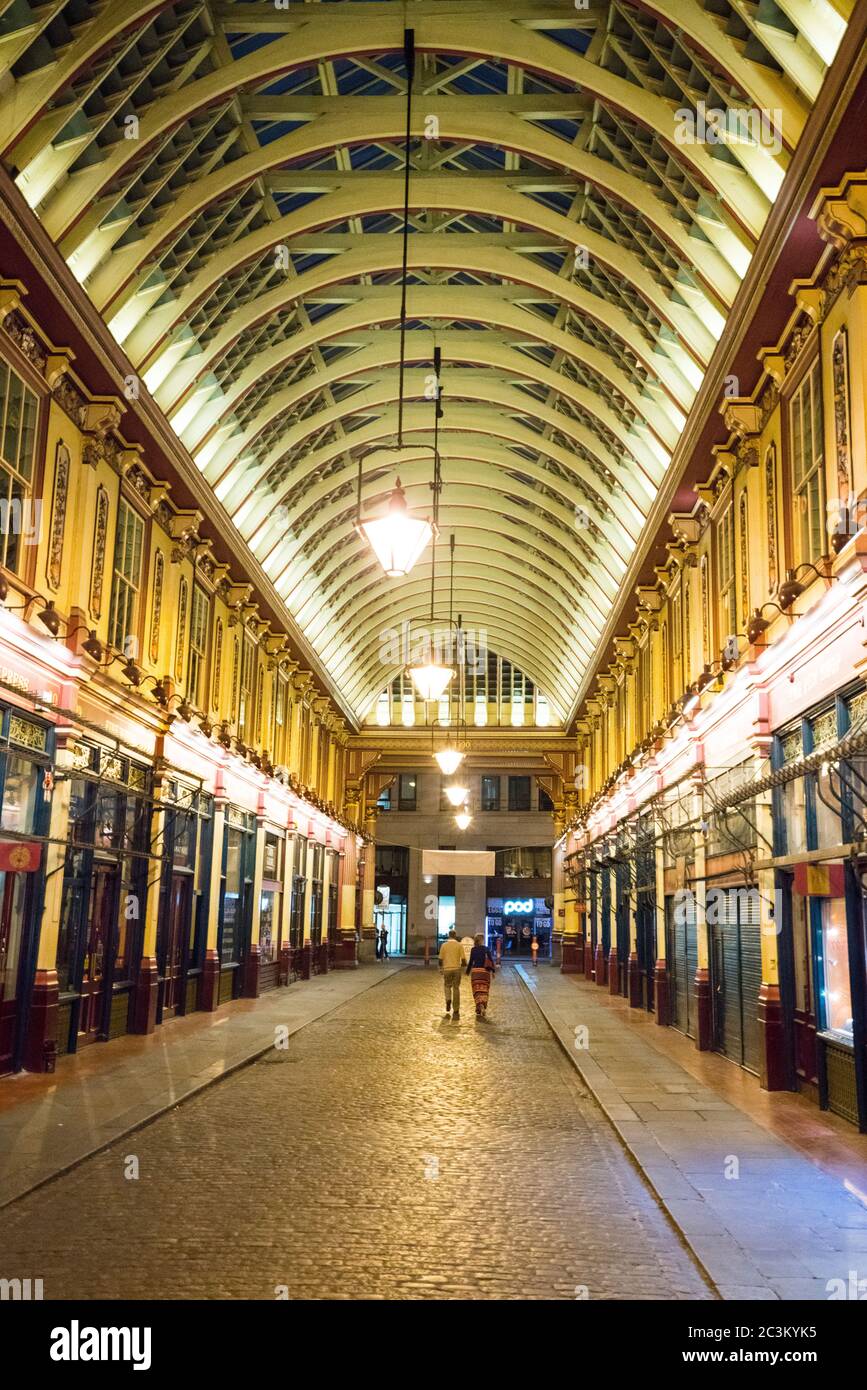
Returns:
(585,585)
(437,253)
(492,562)
(461,421)
(30,95)
(499,582)
(462,387)
(147,325)
(327,573)
(685,19)
(326,35)
(380,350)
(114,282)
(354,655)
(499,313)
(477,485)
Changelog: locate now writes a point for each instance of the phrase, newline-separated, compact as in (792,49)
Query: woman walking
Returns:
(480,968)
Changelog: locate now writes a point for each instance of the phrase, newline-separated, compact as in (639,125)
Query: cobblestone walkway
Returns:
(384,1153)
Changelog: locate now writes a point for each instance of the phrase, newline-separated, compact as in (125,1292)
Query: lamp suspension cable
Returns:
(409,64)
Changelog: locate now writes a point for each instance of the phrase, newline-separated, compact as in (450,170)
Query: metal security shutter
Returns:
(682,962)
(605,924)
(736,973)
(751,977)
(725,964)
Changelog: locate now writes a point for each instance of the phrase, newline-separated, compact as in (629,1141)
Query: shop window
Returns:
(20,790)
(407,791)
(19,411)
(384,801)
(490,793)
(128,545)
(725,559)
(519,793)
(280,717)
(246,706)
(199,632)
(836,994)
(807,457)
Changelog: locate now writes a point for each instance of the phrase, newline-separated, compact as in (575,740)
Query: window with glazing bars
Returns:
(807,453)
(126,582)
(199,634)
(19,411)
(246,713)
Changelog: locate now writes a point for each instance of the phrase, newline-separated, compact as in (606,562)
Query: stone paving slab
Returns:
(388,1152)
(782,1228)
(112,1089)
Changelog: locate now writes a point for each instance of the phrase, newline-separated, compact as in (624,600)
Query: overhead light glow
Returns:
(430,679)
(457,795)
(449,760)
(397,539)
(463,819)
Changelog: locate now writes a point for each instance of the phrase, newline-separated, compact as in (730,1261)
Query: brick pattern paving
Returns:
(766,1223)
(384,1153)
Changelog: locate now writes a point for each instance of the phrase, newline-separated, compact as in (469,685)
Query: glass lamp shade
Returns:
(430,679)
(449,760)
(462,819)
(456,795)
(397,539)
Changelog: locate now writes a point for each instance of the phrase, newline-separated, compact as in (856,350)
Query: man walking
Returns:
(451,964)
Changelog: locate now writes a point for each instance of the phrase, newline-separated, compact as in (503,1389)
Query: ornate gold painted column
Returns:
(40,1047)
(209,991)
(703,1002)
(250,983)
(346,955)
(661,979)
(146,992)
(367,945)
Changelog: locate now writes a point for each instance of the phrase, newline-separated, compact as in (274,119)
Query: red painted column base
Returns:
(209,987)
(662,994)
(704,1011)
(588,959)
(601,971)
(305,962)
(40,1048)
(284,968)
(773,1071)
(634,978)
(613,972)
(572,955)
(145,995)
(346,953)
(251,967)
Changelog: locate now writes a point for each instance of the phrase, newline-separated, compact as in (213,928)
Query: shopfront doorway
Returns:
(734,943)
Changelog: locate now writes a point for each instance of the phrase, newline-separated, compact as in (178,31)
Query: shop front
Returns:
(182,926)
(236,899)
(271,909)
(105,884)
(820,831)
(519,913)
(25,796)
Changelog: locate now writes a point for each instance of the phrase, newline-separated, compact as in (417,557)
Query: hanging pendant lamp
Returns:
(397,538)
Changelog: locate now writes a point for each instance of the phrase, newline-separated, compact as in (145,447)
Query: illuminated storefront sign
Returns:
(518,906)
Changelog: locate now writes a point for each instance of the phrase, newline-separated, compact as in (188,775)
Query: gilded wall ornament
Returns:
(59,500)
(157,605)
(181,643)
(771,514)
(97,570)
(218,664)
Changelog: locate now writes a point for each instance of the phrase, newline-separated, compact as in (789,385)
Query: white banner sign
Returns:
(460,862)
